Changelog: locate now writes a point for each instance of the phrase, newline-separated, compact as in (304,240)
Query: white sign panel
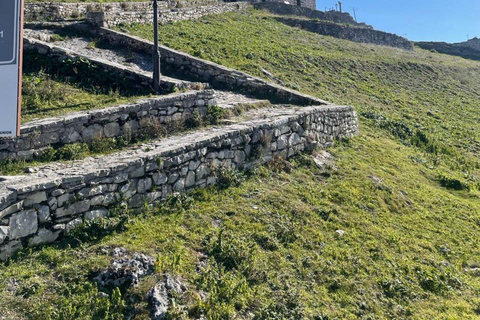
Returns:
(10,71)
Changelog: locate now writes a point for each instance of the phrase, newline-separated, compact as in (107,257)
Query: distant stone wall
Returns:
(467,50)
(48,11)
(115,18)
(307,11)
(310,4)
(40,207)
(206,71)
(351,33)
(87,126)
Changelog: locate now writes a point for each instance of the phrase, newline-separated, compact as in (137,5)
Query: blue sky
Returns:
(428,20)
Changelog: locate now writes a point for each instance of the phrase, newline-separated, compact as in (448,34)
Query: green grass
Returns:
(51,89)
(405,193)
(44,95)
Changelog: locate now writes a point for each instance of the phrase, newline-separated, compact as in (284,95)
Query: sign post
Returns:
(11,48)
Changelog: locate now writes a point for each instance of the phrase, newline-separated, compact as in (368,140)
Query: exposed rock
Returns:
(324,160)
(9,249)
(44,236)
(340,233)
(35,198)
(162,293)
(378,182)
(3,233)
(126,269)
(23,224)
(96,214)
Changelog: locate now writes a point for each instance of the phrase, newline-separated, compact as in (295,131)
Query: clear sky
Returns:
(418,20)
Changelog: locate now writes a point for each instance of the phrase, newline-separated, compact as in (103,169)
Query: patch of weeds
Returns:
(228,293)
(436,281)
(232,252)
(215,114)
(72,151)
(228,177)
(286,305)
(194,121)
(279,164)
(175,203)
(284,229)
(96,229)
(266,241)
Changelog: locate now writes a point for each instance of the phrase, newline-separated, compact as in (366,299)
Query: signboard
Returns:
(11,27)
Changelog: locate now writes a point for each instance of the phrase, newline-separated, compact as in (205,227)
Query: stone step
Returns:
(39,136)
(37,208)
(138,78)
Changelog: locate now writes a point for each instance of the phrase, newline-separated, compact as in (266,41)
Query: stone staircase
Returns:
(267,121)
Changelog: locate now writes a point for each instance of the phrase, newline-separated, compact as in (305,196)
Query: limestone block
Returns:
(92,132)
(144,185)
(9,249)
(96,214)
(3,233)
(190,179)
(44,214)
(44,236)
(72,209)
(73,224)
(23,224)
(11,209)
(111,129)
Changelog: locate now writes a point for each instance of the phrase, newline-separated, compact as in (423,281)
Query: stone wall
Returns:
(40,207)
(468,50)
(115,18)
(351,33)
(309,4)
(49,11)
(120,74)
(87,126)
(219,76)
(307,11)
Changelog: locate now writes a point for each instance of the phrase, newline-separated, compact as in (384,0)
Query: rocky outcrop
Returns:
(160,296)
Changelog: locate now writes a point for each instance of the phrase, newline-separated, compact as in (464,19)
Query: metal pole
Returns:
(156,52)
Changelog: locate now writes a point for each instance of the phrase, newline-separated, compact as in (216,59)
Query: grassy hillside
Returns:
(405,193)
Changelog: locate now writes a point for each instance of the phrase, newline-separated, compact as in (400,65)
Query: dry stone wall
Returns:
(114,72)
(185,65)
(352,33)
(306,11)
(41,11)
(39,208)
(87,126)
(115,18)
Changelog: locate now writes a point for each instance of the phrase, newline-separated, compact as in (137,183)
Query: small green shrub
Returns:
(194,121)
(72,151)
(214,114)
(228,177)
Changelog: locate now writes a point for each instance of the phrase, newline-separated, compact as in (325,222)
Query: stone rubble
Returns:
(125,269)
